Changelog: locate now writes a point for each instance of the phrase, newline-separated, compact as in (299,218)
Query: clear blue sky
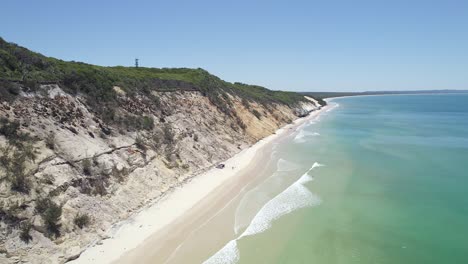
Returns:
(290,45)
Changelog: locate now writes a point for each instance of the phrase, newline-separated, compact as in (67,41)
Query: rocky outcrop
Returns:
(106,171)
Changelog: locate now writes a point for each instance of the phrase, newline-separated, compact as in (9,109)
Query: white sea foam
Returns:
(294,197)
(302,135)
(251,201)
(306,124)
(284,165)
(315,165)
(229,254)
(335,105)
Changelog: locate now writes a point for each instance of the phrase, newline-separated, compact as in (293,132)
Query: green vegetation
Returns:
(15,154)
(96,82)
(140,143)
(8,90)
(99,185)
(168,134)
(25,228)
(119,174)
(51,214)
(9,213)
(256,114)
(82,220)
(11,131)
(86,167)
(134,122)
(50,141)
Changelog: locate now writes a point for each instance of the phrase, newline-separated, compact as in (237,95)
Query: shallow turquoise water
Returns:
(393,188)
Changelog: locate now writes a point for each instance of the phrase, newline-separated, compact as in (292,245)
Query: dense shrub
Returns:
(245,103)
(9,213)
(119,174)
(25,228)
(86,166)
(81,220)
(50,141)
(99,185)
(8,91)
(134,122)
(256,114)
(147,123)
(51,214)
(21,140)
(140,143)
(240,123)
(51,219)
(9,129)
(20,182)
(168,134)
(42,204)
(13,160)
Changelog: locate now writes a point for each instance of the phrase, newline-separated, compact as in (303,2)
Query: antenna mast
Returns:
(136,63)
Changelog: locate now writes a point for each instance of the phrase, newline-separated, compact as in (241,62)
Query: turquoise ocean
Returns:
(376,179)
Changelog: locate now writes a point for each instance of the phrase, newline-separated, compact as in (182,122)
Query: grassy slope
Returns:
(18,63)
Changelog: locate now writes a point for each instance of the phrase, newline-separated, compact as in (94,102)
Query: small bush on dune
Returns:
(86,166)
(13,159)
(42,205)
(24,232)
(168,134)
(99,185)
(147,123)
(20,183)
(9,129)
(51,219)
(256,114)
(81,220)
(8,91)
(51,214)
(140,143)
(50,141)
(119,174)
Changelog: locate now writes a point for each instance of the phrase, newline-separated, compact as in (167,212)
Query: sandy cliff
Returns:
(73,161)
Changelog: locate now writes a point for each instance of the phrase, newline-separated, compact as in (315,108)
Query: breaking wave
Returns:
(294,197)
(302,135)
(229,254)
(305,125)
(284,165)
(335,105)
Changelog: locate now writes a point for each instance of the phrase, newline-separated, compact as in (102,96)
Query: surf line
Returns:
(294,197)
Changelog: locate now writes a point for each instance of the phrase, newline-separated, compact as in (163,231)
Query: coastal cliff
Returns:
(84,147)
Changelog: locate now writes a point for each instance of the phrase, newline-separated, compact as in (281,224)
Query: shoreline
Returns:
(331,99)
(193,199)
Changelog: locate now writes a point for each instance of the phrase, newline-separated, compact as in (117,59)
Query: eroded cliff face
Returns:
(67,176)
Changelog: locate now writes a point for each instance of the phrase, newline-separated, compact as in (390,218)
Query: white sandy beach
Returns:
(156,217)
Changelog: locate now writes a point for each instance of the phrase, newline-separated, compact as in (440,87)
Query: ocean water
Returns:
(378,179)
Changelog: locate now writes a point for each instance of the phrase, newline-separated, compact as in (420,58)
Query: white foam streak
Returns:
(296,196)
(284,165)
(335,105)
(302,135)
(229,254)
